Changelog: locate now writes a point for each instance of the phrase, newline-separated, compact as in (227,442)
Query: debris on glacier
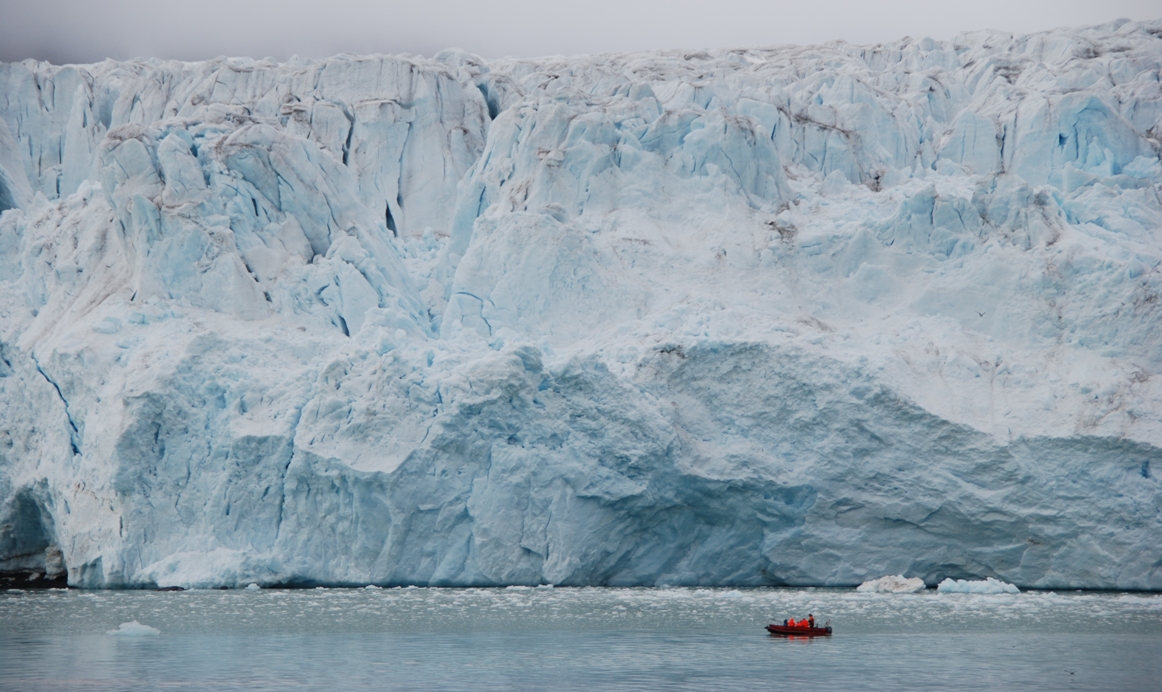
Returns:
(776,316)
(892,584)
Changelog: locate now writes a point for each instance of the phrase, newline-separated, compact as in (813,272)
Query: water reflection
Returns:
(792,637)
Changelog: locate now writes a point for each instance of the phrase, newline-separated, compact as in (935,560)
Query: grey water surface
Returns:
(583,638)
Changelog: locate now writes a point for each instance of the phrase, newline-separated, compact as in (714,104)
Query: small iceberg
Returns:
(894,583)
(134,629)
(253,587)
(989,585)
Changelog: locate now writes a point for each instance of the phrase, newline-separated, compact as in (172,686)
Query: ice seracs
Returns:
(800,315)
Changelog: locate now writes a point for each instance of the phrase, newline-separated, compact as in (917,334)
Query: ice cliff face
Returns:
(805,315)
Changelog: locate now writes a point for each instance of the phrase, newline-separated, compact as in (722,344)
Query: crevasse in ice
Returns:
(803,315)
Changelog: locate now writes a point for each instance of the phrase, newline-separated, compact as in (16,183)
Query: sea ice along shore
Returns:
(800,315)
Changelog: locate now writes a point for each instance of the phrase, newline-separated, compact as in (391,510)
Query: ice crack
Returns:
(74,432)
(286,467)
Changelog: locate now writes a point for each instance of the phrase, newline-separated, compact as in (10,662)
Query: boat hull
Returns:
(799,631)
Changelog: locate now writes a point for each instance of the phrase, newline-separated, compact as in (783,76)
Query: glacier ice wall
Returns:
(801,315)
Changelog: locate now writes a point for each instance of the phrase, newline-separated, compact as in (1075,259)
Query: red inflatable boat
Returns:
(800,631)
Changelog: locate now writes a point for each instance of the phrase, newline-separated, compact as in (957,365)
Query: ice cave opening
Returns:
(28,550)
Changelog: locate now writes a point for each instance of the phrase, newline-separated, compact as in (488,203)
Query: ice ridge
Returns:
(806,315)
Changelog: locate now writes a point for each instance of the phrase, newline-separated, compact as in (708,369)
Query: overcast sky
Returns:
(86,31)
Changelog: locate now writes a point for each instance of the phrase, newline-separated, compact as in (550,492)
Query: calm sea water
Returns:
(573,639)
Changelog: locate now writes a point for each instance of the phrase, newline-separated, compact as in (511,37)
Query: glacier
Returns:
(803,315)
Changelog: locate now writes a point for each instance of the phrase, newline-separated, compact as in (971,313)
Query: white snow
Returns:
(892,584)
(799,315)
(134,629)
(985,586)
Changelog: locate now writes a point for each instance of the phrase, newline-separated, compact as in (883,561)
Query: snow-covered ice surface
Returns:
(801,315)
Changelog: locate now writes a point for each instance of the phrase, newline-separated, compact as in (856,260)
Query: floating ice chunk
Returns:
(895,583)
(253,587)
(134,629)
(371,587)
(989,585)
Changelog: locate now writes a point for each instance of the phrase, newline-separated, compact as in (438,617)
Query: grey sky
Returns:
(74,31)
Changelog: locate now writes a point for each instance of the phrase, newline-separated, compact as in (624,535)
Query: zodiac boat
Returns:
(800,631)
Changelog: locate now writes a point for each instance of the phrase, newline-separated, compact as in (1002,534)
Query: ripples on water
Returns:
(586,638)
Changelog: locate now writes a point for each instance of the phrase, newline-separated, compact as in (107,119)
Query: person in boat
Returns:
(810,620)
